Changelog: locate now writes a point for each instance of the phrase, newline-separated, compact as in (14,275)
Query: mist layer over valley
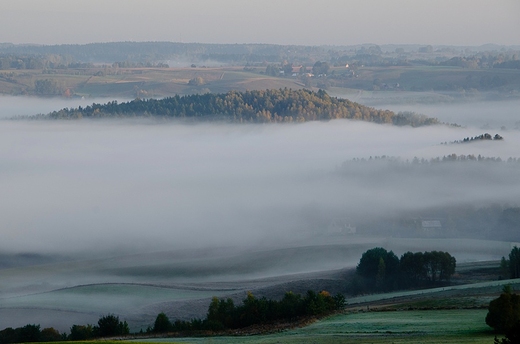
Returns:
(487,115)
(187,211)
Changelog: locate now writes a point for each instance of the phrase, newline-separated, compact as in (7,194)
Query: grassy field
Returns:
(143,82)
(443,326)
(437,83)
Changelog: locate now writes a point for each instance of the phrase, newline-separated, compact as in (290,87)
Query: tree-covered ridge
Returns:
(282,105)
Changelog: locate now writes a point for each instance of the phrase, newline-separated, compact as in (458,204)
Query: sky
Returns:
(299,22)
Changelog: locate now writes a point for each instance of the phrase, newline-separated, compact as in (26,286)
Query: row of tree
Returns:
(382,270)
(108,326)
(282,105)
(481,137)
(222,314)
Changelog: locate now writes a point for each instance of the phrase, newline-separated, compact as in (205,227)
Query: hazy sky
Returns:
(302,22)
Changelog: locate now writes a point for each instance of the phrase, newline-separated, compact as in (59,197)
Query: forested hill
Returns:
(283,105)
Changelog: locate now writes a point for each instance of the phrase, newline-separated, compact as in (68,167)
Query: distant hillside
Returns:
(284,105)
(159,51)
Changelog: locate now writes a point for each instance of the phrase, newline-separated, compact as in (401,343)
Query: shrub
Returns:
(504,311)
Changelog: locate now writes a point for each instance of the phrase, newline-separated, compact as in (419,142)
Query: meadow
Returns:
(431,327)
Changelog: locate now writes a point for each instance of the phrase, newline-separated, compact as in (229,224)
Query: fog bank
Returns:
(142,186)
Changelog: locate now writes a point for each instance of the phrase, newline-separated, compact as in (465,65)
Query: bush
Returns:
(504,312)
(50,334)
(80,332)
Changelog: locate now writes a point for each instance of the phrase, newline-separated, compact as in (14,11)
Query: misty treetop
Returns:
(391,161)
(482,137)
(272,105)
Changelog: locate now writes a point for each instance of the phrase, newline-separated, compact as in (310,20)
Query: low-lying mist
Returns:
(476,112)
(12,106)
(141,186)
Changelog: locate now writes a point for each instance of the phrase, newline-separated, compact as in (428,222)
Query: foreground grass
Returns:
(439,326)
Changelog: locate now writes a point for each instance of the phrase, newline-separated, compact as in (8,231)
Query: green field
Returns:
(442,326)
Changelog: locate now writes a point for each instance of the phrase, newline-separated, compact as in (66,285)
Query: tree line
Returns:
(222,314)
(382,270)
(481,137)
(272,105)
(107,326)
(396,161)
(50,61)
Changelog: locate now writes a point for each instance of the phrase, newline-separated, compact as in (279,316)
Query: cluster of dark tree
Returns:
(381,270)
(223,314)
(504,316)
(413,119)
(482,137)
(283,105)
(108,326)
(511,267)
